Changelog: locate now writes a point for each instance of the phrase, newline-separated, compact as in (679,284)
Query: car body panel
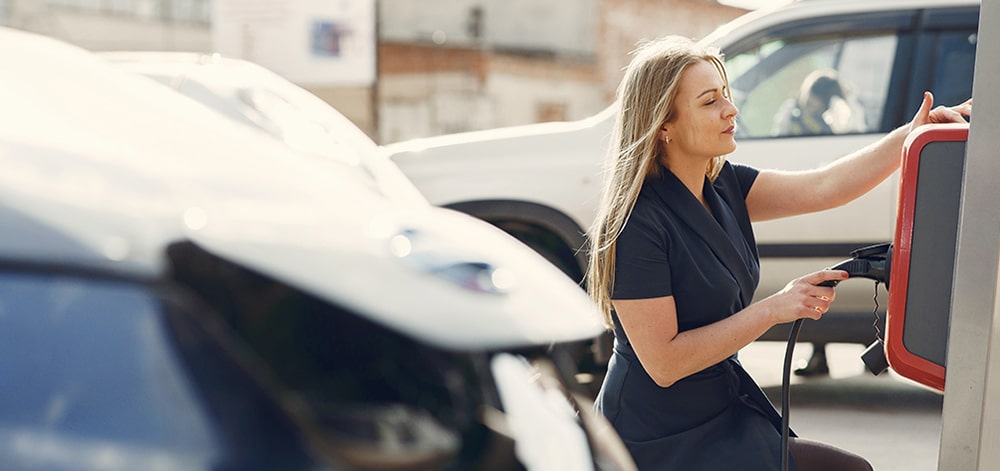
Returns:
(250,199)
(497,165)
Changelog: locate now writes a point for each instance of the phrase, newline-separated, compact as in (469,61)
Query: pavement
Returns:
(894,423)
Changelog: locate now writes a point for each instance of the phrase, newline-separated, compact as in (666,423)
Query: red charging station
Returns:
(923,258)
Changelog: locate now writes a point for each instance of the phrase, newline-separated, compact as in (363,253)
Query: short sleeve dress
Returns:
(718,418)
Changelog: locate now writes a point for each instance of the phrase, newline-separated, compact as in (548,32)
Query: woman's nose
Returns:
(730,111)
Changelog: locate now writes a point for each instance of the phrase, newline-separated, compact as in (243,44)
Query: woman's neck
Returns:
(691,173)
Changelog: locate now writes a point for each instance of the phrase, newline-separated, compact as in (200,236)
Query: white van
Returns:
(541,182)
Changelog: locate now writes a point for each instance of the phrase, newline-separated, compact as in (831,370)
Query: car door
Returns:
(870,55)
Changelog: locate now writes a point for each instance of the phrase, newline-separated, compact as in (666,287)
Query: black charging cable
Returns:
(786,378)
(871,262)
(853,267)
(793,337)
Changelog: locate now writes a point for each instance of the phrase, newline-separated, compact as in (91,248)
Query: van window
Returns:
(812,86)
(954,63)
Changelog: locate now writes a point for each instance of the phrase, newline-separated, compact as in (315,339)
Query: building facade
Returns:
(443,66)
(171,25)
(450,66)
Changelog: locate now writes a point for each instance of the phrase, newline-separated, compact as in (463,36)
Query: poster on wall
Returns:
(310,42)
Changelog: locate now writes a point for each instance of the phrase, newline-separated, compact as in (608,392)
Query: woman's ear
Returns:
(664,136)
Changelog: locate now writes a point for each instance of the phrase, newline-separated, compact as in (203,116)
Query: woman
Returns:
(674,266)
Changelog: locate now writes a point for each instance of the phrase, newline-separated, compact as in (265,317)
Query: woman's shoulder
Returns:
(737,175)
(647,230)
(738,169)
(647,206)
(649,214)
(648,202)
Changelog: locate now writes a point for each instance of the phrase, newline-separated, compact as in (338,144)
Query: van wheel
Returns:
(546,244)
(590,356)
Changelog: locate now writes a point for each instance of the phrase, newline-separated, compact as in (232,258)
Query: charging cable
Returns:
(793,337)
(874,359)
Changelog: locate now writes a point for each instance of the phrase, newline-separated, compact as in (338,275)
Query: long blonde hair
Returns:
(646,101)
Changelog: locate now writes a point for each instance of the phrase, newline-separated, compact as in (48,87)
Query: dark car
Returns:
(178,292)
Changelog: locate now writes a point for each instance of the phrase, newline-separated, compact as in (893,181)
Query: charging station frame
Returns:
(901,358)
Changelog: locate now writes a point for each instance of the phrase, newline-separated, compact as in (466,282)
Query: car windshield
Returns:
(89,373)
(304,121)
(308,124)
(257,97)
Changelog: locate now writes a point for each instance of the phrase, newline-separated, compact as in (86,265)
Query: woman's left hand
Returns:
(941,114)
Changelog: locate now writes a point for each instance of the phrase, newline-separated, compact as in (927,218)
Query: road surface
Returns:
(893,423)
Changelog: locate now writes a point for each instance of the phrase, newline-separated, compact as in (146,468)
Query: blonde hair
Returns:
(646,101)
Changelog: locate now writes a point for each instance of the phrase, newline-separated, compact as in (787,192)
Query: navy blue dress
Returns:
(718,418)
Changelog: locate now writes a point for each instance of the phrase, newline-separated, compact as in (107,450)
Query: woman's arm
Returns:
(651,326)
(846,178)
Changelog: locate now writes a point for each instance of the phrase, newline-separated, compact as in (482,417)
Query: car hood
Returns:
(103,168)
(435,274)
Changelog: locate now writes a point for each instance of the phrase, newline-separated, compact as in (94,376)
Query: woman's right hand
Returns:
(927,114)
(803,298)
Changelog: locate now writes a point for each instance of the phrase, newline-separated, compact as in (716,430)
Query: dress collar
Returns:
(720,229)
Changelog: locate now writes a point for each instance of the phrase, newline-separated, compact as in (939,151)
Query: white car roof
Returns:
(767,17)
(105,169)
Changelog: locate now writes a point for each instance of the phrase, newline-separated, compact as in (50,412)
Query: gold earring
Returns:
(666,140)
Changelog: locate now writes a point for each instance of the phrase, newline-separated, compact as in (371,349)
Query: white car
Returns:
(258,98)
(181,292)
(541,182)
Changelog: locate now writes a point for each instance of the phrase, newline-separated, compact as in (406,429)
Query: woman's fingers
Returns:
(818,277)
(923,115)
(809,299)
(819,299)
(811,311)
(964,108)
(962,111)
(942,114)
(805,298)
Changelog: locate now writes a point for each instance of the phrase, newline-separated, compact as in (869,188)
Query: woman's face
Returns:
(704,121)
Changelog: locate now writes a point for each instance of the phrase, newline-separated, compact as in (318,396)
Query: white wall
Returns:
(561,26)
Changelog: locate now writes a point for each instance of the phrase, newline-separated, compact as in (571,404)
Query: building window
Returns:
(190,10)
(193,11)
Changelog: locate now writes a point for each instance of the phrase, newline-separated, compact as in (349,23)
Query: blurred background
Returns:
(402,69)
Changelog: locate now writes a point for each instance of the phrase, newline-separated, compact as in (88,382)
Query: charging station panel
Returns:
(923,264)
